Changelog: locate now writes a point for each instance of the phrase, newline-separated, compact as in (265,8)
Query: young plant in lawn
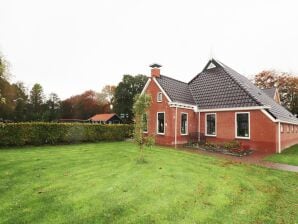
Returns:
(141,105)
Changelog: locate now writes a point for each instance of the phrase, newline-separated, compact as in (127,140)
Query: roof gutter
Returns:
(286,122)
(234,108)
(278,139)
(184,106)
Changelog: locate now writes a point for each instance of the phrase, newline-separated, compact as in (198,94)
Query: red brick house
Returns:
(220,105)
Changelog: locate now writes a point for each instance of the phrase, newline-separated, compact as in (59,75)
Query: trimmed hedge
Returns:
(40,133)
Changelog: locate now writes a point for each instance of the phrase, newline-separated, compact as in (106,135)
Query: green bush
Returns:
(232,145)
(40,133)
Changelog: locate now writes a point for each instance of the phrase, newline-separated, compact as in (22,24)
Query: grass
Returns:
(288,156)
(103,183)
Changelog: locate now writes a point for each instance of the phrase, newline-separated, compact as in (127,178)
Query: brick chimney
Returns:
(155,70)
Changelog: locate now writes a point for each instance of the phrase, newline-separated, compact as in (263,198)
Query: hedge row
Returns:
(40,133)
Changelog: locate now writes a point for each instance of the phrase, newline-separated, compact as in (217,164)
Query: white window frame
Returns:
(288,128)
(186,129)
(206,134)
(292,128)
(147,123)
(164,129)
(159,97)
(281,128)
(236,126)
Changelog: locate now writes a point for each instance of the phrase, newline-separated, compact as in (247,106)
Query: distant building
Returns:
(106,119)
(272,93)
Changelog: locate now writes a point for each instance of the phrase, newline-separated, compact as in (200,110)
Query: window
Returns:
(159,97)
(160,123)
(184,124)
(145,123)
(292,128)
(288,128)
(242,125)
(210,124)
(281,128)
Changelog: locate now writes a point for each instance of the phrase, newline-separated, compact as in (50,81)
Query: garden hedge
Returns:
(40,133)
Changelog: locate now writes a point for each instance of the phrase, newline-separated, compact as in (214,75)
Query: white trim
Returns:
(176,114)
(162,90)
(279,138)
(157,97)
(164,122)
(277,120)
(236,126)
(286,122)
(206,134)
(199,129)
(268,115)
(186,123)
(183,106)
(146,86)
(234,108)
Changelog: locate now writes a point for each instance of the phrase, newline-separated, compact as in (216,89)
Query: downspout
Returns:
(199,122)
(176,127)
(279,143)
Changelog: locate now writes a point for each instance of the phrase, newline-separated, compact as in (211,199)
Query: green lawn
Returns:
(288,156)
(103,183)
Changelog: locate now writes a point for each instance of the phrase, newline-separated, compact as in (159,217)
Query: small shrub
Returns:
(149,141)
(232,145)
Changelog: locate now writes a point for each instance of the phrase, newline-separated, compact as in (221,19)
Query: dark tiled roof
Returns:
(177,91)
(215,88)
(270,92)
(219,86)
(278,111)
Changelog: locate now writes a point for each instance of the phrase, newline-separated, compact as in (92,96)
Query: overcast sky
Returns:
(69,46)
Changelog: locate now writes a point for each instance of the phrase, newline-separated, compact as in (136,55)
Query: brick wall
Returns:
(263,132)
(169,137)
(288,136)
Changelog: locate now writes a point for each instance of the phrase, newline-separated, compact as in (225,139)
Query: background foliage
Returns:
(287,85)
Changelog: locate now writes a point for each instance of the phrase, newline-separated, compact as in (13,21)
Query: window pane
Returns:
(242,125)
(161,122)
(211,124)
(183,123)
(145,123)
(159,97)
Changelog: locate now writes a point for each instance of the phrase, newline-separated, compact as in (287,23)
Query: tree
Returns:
(125,93)
(53,106)
(36,102)
(21,102)
(287,85)
(3,76)
(81,106)
(106,98)
(140,108)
